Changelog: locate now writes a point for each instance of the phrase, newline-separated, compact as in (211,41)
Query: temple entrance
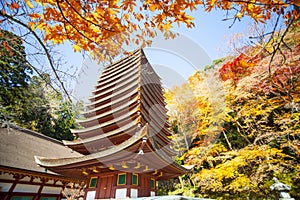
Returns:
(106,183)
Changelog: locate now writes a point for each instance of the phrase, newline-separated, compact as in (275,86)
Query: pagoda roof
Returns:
(85,160)
(113,101)
(107,123)
(126,125)
(125,152)
(109,112)
(100,136)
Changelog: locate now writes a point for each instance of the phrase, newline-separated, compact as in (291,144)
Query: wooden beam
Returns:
(29,183)
(11,189)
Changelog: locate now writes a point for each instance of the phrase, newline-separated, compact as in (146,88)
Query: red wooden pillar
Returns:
(12,187)
(128,184)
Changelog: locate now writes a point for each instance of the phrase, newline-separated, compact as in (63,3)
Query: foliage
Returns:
(236,69)
(260,132)
(47,112)
(214,64)
(29,101)
(42,110)
(95,25)
(192,114)
(14,70)
(102,28)
(244,173)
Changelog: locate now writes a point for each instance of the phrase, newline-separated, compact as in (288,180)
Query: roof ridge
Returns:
(30,132)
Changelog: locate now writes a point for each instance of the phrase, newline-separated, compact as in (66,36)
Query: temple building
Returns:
(20,177)
(123,145)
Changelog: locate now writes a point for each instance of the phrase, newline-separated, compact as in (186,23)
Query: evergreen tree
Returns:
(14,71)
(28,100)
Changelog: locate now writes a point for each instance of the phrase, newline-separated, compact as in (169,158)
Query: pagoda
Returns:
(124,140)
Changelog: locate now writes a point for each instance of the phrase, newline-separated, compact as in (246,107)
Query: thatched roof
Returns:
(18,147)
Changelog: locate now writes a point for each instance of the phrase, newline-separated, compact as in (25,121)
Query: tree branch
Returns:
(76,11)
(257,3)
(277,48)
(44,48)
(80,33)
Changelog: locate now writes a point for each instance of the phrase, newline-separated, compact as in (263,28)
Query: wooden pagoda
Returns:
(124,141)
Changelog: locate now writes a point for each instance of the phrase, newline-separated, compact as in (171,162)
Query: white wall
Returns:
(121,193)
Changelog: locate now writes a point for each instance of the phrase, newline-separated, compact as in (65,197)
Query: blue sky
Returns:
(194,49)
(210,32)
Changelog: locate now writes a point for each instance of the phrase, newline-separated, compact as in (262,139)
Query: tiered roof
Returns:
(125,127)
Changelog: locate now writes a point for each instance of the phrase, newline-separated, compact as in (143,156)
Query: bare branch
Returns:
(44,48)
(277,48)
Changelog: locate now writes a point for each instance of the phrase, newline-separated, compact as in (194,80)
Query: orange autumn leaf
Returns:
(237,68)
(34,15)
(14,5)
(6,46)
(94,24)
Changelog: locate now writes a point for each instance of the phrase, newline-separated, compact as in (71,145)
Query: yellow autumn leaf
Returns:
(38,2)
(29,4)
(31,25)
(152,7)
(213,2)
(42,25)
(125,16)
(76,48)
(239,15)
(167,26)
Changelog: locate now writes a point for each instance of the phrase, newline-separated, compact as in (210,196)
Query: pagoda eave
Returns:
(98,136)
(116,65)
(114,76)
(52,162)
(132,88)
(115,88)
(125,152)
(94,109)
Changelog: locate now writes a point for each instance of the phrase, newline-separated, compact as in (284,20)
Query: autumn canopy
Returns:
(237,121)
(101,27)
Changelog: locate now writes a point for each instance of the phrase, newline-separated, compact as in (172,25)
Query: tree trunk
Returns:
(229,144)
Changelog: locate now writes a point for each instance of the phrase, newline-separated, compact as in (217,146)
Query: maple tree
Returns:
(260,134)
(240,67)
(103,27)
(196,110)
(260,96)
